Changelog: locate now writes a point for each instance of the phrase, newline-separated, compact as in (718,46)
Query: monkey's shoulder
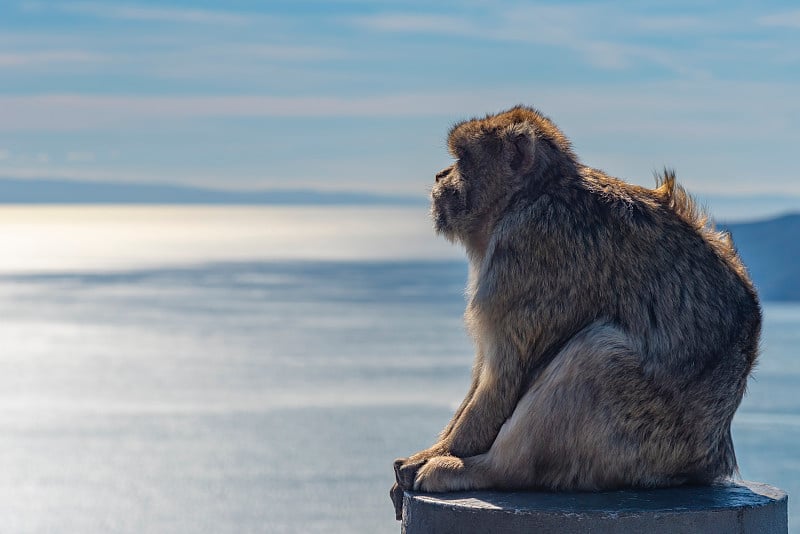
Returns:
(582,210)
(602,220)
(615,200)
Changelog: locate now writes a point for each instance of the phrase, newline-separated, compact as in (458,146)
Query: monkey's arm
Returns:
(531,299)
(496,391)
(406,468)
(439,447)
(476,373)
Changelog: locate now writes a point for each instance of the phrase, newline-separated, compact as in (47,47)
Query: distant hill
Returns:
(771,251)
(730,208)
(40,191)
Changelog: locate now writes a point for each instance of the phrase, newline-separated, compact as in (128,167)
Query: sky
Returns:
(359,95)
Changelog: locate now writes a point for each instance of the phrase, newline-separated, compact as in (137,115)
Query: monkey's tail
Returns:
(686,207)
(678,200)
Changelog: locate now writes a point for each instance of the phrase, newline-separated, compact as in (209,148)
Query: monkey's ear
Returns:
(521,144)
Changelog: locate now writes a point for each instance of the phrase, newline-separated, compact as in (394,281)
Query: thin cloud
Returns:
(242,181)
(414,22)
(670,24)
(47,57)
(136,12)
(691,109)
(595,34)
(285,52)
(80,157)
(190,177)
(789,19)
(70,112)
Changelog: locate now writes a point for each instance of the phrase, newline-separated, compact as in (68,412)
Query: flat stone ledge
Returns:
(743,507)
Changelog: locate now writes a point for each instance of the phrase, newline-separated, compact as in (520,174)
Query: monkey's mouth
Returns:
(448,207)
(437,210)
(440,223)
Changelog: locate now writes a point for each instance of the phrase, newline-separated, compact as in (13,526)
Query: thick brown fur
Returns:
(614,327)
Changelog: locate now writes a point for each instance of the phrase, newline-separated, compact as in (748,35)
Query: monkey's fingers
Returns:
(406,471)
(398,463)
(396,494)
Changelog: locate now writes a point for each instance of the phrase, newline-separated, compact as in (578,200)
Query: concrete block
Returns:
(742,508)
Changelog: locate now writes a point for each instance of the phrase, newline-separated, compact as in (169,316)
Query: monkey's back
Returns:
(646,261)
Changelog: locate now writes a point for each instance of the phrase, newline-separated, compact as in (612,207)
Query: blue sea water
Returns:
(263,396)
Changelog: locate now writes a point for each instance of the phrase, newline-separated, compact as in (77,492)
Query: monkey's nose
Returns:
(441,174)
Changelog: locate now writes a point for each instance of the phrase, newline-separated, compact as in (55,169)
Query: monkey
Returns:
(614,326)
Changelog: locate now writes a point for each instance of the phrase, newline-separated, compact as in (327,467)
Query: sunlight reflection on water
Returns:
(75,238)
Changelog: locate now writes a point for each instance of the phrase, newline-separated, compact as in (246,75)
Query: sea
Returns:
(255,369)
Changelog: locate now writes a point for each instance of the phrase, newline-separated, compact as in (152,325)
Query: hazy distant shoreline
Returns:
(729,208)
(42,191)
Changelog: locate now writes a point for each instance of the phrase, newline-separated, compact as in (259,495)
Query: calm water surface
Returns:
(215,380)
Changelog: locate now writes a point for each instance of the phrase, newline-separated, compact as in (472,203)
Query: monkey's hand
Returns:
(405,469)
(405,472)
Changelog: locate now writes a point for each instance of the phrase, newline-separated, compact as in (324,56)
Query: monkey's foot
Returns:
(405,470)
(396,494)
(443,473)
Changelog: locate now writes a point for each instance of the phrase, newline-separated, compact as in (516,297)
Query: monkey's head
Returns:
(496,157)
